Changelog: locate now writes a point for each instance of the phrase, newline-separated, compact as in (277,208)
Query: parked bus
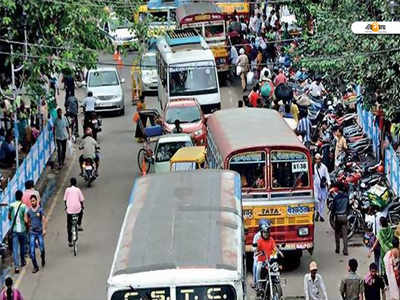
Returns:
(181,238)
(186,68)
(275,169)
(208,20)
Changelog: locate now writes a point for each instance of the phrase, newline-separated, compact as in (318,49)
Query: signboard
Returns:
(248,157)
(191,66)
(287,156)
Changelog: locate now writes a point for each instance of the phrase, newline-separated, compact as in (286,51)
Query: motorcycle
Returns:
(269,284)
(94,123)
(89,171)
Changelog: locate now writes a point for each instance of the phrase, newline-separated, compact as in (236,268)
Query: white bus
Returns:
(182,239)
(186,68)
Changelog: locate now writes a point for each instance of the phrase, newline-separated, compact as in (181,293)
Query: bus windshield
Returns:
(193,81)
(289,170)
(212,31)
(251,167)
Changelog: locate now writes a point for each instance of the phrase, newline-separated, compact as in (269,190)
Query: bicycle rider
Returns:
(89,147)
(72,109)
(73,200)
(266,247)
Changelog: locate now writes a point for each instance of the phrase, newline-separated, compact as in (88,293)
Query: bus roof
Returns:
(188,11)
(241,128)
(181,220)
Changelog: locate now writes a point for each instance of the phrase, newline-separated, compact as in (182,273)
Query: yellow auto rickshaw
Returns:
(188,158)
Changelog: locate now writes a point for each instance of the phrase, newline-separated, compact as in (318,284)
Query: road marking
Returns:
(50,213)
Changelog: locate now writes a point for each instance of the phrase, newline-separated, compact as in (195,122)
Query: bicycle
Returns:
(145,157)
(74,231)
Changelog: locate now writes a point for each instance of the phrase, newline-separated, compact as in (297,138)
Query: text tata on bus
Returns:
(275,169)
(182,238)
(207,19)
(186,68)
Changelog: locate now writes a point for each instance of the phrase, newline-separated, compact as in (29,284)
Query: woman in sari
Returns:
(384,238)
(391,260)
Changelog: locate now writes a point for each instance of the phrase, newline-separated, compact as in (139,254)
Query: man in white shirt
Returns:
(314,287)
(322,182)
(89,104)
(316,88)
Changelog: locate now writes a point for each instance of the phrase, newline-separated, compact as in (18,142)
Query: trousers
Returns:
(341,231)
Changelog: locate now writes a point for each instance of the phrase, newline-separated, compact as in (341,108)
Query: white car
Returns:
(149,74)
(119,31)
(166,147)
(106,86)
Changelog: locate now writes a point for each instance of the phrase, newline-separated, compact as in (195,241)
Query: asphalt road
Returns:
(66,277)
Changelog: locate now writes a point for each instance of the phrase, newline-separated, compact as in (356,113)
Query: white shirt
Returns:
(89,103)
(323,171)
(273,19)
(234,55)
(256,237)
(314,290)
(316,90)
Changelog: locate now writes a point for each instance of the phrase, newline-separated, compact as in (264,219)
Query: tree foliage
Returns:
(60,33)
(371,60)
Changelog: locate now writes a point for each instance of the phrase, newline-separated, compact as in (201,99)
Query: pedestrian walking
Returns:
(10,293)
(29,191)
(322,182)
(392,264)
(69,84)
(374,285)
(340,211)
(384,240)
(352,286)
(341,145)
(62,133)
(37,223)
(16,215)
(304,128)
(73,199)
(243,64)
(314,286)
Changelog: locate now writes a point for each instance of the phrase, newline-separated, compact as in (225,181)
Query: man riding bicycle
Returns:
(73,199)
(72,109)
(89,147)
(266,247)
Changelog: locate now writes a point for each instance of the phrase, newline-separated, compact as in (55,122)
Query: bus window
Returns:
(251,167)
(214,31)
(289,170)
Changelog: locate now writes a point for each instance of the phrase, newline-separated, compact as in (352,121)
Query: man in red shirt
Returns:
(254,96)
(266,247)
(280,78)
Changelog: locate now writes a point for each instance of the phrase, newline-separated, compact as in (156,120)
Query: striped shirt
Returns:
(304,126)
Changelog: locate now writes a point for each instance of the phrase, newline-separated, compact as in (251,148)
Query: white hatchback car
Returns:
(106,86)
(166,147)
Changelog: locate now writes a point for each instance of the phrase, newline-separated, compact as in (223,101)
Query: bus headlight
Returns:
(303,231)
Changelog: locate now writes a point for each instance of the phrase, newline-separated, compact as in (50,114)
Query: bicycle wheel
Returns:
(75,248)
(75,238)
(143,161)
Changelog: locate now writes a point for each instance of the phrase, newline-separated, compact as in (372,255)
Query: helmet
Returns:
(381,169)
(266,227)
(261,223)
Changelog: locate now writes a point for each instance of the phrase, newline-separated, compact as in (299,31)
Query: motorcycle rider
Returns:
(88,104)
(266,247)
(317,89)
(256,237)
(89,147)
(72,108)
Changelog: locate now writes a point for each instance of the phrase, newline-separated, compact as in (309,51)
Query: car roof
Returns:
(175,137)
(101,69)
(182,102)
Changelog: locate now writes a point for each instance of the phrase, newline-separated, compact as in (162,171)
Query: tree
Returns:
(60,34)
(371,60)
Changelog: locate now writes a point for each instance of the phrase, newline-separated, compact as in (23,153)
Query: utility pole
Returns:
(14,88)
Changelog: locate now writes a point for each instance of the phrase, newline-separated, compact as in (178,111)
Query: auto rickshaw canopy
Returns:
(195,154)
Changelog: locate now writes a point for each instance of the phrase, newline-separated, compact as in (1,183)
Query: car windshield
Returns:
(213,31)
(166,150)
(185,114)
(193,81)
(103,78)
(119,24)
(149,62)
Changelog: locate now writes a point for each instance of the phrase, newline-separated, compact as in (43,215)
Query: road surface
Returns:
(85,276)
